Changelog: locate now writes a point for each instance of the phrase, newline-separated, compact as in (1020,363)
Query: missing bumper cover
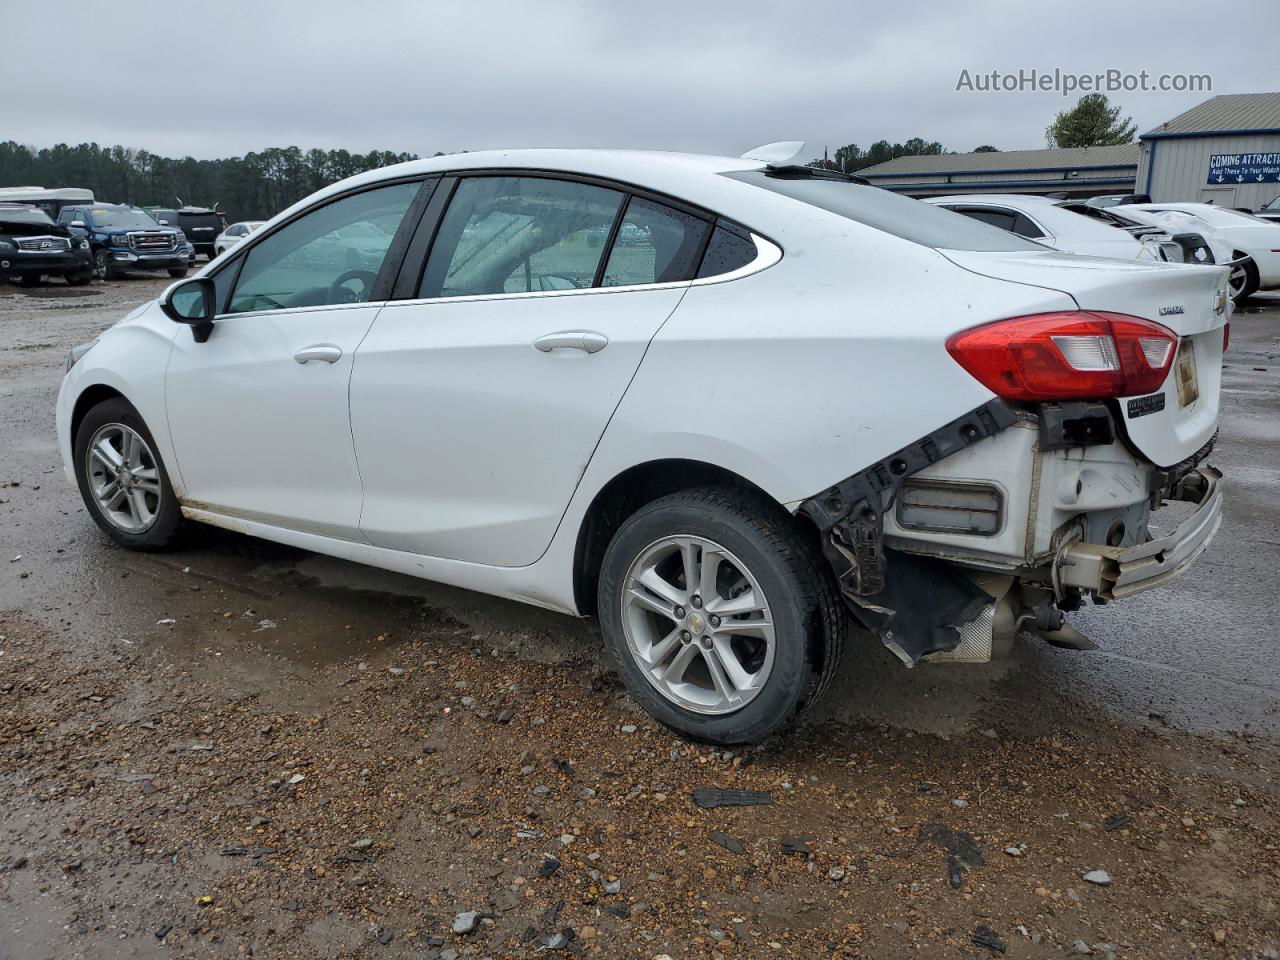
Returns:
(919,610)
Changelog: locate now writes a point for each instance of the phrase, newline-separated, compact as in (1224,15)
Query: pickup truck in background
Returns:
(123,238)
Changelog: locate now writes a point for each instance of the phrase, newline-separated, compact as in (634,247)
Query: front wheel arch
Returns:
(89,398)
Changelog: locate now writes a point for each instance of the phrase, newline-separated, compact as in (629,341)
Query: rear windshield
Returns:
(884,210)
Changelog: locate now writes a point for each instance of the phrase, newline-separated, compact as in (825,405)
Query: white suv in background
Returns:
(720,404)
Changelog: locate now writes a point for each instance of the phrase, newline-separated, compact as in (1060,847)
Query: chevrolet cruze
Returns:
(723,405)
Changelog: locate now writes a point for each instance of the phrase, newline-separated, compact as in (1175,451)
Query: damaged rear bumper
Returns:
(1114,573)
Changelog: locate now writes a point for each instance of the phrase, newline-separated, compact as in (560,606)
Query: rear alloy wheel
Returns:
(122,478)
(722,618)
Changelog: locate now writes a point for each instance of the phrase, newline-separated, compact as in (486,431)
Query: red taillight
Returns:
(1075,355)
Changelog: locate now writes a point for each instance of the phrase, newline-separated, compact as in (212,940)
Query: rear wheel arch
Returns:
(631,490)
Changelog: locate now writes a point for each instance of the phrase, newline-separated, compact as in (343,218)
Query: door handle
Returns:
(324,352)
(588,341)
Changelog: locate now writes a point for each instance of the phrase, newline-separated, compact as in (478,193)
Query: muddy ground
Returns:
(239,749)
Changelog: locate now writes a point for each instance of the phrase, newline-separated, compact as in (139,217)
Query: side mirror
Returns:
(78,223)
(193,302)
(163,223)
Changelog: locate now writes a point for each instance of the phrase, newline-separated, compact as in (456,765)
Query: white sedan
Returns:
(1252,236)
(236,232)
(1042,220)
(785,399)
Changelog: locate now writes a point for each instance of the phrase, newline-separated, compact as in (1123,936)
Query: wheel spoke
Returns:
(711,560)
(652,581)
(659,652)
(746,628)
(110,495)
(679,664)
(722,653)
(148,479)
(107,455)
(138,506)
(737,606)
(651,603)
(724,686)
(692,567)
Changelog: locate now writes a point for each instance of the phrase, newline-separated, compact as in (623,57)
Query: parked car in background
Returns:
(716,447)
(1113,199)
(1271,211)
(1042,220)
(200,225)
(50,200)
(1249,235)
(123,238)
(1199,242)
(33,247)
(229,237)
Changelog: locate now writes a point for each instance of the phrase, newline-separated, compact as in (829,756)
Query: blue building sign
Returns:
(1244,168)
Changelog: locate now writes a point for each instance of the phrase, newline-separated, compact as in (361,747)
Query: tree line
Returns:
(1092,122)
(253,187)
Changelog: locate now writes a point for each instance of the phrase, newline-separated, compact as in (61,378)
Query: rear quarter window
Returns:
(904,217)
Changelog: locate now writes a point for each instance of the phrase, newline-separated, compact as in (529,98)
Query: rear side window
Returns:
(654,244)
(892,213)
(726,252)
(519,235)
(1004,219)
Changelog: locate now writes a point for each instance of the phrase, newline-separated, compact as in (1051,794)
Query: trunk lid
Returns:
(1190,300)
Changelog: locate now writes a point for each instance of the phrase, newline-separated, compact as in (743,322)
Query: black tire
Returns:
(102,268)
(178,272)
(168,516)
(1251,284)
(809,619)
(79,279)
(29,280)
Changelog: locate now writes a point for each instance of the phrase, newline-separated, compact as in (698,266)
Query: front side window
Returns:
(519,235)
(655,244)
(1004,219)
(331,255)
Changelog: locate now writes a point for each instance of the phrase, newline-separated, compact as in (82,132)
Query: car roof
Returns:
(1008,199)
(690,176)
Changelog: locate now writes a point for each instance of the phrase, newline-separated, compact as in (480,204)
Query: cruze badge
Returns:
(1170,311)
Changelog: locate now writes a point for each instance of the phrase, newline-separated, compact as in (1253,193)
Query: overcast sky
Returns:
(224,77)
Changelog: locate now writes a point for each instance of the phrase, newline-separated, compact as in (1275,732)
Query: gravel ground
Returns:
(239,749)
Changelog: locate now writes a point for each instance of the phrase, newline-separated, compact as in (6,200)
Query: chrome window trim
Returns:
(768,253)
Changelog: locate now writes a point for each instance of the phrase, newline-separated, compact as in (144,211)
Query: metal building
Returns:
(1075,171)
(1225,151)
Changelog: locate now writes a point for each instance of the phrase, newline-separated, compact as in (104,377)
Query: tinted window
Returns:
(726,252)
(1024,226)
(1004,219)
(655,244)
(519,234)
(901,216)
(330,255)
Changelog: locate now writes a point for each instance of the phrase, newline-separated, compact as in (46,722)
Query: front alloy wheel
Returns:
(101,265)
(124,477)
